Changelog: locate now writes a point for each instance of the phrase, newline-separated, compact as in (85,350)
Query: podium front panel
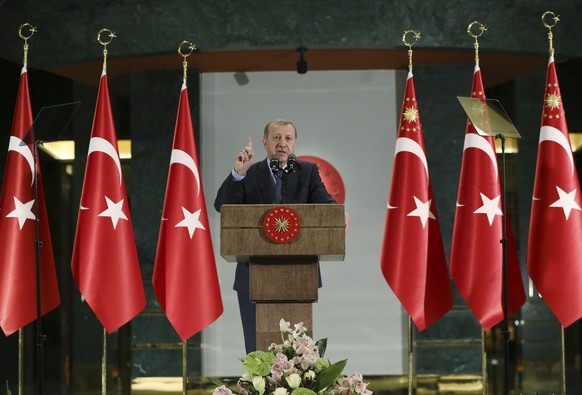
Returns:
(322,232)
(283,279)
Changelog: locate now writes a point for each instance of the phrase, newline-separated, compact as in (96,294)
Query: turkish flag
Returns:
(413,259)
(105,264)
(476,251)
(185,279)
(554,252)
(18,287)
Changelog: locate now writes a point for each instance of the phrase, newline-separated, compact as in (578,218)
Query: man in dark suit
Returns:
(251,183)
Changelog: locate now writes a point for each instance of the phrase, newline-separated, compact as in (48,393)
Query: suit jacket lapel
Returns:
(291,184)
(266,185)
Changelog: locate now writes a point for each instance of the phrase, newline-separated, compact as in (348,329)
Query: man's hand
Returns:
(244,158)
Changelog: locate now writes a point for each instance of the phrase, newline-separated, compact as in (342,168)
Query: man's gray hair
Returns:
(278,122)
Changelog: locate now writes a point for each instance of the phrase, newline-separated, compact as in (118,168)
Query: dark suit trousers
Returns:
(248,314)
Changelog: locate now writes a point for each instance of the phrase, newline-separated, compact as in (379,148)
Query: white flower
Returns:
(259,384)
(280,391)
(222,390)
(294,380)
(284,326)
(276,348)
(298,330)
(309,375)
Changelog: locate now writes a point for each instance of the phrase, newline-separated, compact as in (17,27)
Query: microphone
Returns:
(291,162)
(275,164)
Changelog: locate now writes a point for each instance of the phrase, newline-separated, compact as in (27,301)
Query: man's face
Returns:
(280,141)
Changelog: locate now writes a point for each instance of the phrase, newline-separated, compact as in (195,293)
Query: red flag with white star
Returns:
(18,301)
(476,251)
(105,264)
(413,259)
(554,253)
(185,278)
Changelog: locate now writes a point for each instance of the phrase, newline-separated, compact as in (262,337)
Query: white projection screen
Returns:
(349,119)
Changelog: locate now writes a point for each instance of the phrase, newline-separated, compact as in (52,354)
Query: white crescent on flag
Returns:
(549,133)
(404,144)
(183,158)
(18,146)
(473,140)
(98,144)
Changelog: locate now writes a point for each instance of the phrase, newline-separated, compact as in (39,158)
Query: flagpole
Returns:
(20,361)
(475,35)
(184,367)
(483,363)
(189,47)
(563,358)
(410,357)
(104,42)
(415,37)
(409,44)
(185,49)
(38,243)
(104,364)
(503,241)
(549,25)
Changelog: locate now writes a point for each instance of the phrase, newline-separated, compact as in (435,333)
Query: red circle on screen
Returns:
(330,176)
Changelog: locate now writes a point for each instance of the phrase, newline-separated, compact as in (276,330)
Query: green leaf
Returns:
(321,364)
(327,376)
(258,362)
(302,391)
(321,345)
(8,392)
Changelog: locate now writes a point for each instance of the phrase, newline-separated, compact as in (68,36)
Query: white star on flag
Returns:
(422,211)
(114,211)
(22,212)
(566,201)
(190,221)
(490,207)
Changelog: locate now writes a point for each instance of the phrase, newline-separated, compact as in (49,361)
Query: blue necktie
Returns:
(278,198)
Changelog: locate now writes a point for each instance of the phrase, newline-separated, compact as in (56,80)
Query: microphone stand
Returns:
(284,186)
(504,280)
(496,118)
(40,337)
(290,169)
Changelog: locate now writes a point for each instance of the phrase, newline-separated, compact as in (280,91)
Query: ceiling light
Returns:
(64,150)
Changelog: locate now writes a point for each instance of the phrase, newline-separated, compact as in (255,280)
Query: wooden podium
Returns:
(283,277)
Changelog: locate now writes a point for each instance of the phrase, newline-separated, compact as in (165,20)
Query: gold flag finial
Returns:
(30,30)
(105,42)
(554,21)
(476,30)
(409,44)
(189,48)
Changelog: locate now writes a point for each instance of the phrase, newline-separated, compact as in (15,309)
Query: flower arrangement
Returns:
(295,367)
